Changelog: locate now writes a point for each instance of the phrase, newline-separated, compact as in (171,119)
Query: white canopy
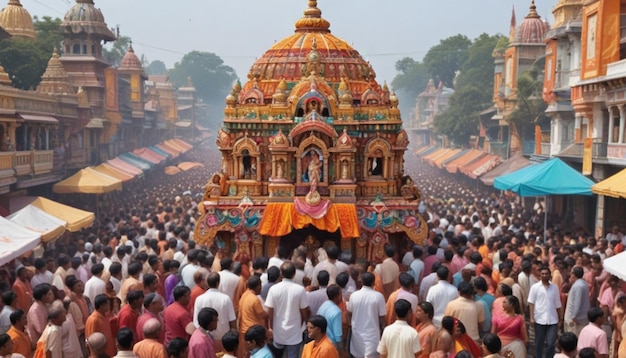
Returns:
(615,265)
(35,219)
(15,240)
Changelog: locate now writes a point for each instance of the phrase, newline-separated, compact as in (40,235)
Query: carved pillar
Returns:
(621,124)
(611,124)
(259,168)
(326,168)
(298,169)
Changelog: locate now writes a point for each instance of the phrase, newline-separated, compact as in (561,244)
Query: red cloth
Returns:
(176,318)
(128,317)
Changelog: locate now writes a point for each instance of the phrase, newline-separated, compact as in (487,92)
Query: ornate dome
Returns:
(85,17)
(130,60)
(312,48)
(17,21)
(55,79)
(533,29)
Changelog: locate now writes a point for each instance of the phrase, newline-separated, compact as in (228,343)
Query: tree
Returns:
(117,50)
(473,92)
(211,77)
(409,82)
(444,60)
(25,60)
(156,68)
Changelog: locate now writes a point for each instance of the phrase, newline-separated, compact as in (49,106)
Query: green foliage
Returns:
(473,92)
(25,60)
(156,68)
(211,77)
(410,82)
(444,60)
(117,50)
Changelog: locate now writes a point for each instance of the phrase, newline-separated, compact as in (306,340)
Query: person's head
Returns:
(442,273)
(43,292)
(334,293)
(56,315)
(491,344)
(101,303)
(254,284)
(342,279)
(288,269)
(587,352)
(177,348)
(480,284)
(135,299)
(74,284)
(230,342)
(213,280)
(367,278)
(96,343)
(273,274)
(425,311)
(135,268)
(406,281)
(182,295)
(390,250)
(115,269)
(568,342)
(511,305)
(465,289)
(333,252)
(150,282)
(18,319)
(124,339)
(316,327)
(595,315)
(323,277)
(255,336)
(545,274)
(153,302)
(6,345)
(152,328)
(207,318)
(402,308)
(9,298)
(417,252)
(578,272)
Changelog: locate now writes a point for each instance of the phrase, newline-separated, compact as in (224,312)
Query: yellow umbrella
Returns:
(189,165)
(172,170)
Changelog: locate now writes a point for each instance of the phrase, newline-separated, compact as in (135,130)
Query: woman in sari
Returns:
(461,340)
(510,328)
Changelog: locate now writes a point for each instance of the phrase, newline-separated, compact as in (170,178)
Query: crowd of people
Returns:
(485,283)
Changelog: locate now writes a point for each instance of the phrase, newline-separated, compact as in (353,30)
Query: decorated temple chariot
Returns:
(312,152)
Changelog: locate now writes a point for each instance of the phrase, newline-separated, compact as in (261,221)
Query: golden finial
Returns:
(312,20)
(533,11)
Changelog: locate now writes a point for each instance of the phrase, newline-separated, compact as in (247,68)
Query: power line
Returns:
(48,7)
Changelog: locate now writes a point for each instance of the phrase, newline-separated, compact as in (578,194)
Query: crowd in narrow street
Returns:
(484,284)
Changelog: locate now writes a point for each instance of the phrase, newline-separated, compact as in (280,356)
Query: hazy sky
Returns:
(239,31)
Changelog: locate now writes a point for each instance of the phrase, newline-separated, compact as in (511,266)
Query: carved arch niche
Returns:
(312,144)
(246,159)
(378,159)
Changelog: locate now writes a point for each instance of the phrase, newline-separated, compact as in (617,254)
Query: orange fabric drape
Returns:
(280,218)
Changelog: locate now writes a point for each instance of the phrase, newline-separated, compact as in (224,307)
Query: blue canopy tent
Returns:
(552,177)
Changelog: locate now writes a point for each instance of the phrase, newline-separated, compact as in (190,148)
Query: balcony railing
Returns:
(32,162)
(6,161)
(43,161)
(616,69)
(616,150)
(22,163)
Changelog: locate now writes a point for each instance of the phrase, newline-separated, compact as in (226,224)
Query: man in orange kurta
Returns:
(251,311)
(99,322)
(320,346)
(150,347)
(21,341)
(23,289)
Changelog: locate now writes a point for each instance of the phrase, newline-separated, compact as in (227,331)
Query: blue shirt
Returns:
(263,352)
(332,313)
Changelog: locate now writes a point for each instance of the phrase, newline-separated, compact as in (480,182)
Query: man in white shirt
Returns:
(400,339)
(95,285)
(364,307)
(287,307)
(329,265)
(42,275)
(441,294)
(546,313)
(220,302)
(318,297)
(228,280)
(191,268)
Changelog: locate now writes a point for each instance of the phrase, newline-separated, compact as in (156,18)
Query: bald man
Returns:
(150,347)
(96,344)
